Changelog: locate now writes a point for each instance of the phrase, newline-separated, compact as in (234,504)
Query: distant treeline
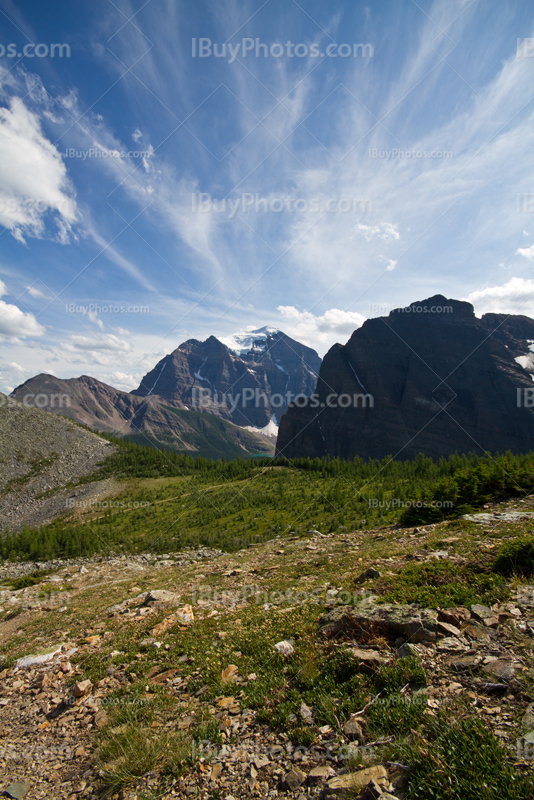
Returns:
(232,504)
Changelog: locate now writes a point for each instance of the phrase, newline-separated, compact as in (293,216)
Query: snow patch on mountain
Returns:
(527,362)
(270,430)
(249,340)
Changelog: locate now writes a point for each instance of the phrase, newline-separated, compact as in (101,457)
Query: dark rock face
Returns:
(424,382)
(516,332)
(208,376)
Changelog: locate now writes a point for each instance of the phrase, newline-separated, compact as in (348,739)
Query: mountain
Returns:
(42,457)
(143,420)
(516,332)
(424,382)
(246,378)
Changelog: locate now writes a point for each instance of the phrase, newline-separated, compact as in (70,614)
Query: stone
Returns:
(501,668)
(370,657)
(101,719)
(352,730)
(407,649)
(369,573)
(528,717)
(372,791)
(348,785)
(161,597)
(82,688)
(450,630)
(285,648)
(454,616)
(387,619)
(35,660)
(17,790)
(83,570)
(294,778)
(481,612)
(477,632)
(452,644)
(230,673)
(319,775)
(306,714)
(162,627)
(464,663)
(185,615)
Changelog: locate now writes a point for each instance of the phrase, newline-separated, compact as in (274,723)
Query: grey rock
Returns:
(528,717)
(501,668)
(369,573)
(161,596)
(294,778)
(481,612)
(409,621)
(352,730)
(407,649)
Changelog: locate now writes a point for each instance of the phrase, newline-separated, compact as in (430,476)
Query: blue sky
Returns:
(151,192)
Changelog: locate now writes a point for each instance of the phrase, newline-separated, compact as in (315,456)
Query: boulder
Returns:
(409,621)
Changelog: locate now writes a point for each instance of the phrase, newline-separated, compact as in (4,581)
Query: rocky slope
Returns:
(94,685)
(431,383)
(263,364)
(40,455)
(144,420)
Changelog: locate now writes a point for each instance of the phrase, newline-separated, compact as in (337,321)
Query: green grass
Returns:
(462,760)
(437,583)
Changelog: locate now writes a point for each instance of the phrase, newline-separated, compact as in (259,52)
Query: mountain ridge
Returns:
(441,381)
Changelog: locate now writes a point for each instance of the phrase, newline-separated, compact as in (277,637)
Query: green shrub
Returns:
(463,761)
(516,557)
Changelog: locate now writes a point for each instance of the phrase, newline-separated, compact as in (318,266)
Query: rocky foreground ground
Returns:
(151,677)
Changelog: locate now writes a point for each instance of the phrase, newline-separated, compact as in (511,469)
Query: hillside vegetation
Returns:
(170,501)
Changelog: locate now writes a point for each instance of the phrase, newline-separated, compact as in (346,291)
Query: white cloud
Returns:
(123,381)
(33,177)
(136,135)
(333,326)
(106,342)
(528,252)
(514,297)
(34,292)
(14,322)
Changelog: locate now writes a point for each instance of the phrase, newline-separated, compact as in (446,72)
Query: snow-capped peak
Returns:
(249,340)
